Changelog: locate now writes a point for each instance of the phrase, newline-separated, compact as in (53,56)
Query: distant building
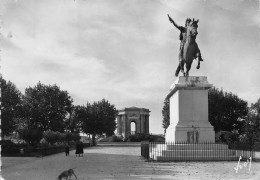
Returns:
(133,120)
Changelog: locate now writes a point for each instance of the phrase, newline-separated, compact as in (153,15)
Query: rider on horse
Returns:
(183,34)
(183,37)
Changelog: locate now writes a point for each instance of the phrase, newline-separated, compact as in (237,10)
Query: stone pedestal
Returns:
(190,136)
(189,111)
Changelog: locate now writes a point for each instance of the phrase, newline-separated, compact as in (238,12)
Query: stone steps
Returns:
(195,152)
(196,158)
(203,146)
(198,153)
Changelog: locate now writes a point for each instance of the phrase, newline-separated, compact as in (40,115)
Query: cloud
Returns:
(127,51)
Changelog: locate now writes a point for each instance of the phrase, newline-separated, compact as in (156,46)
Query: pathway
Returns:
(104,162)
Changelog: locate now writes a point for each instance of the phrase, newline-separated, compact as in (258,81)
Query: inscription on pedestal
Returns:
(192,137)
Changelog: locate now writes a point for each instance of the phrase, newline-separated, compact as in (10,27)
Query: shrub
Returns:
(43,143)
(137,138)
(68,137)
(157,138)
(32,136)
(51,136)
(57,137)
(227,137)
(75,137)
(9,147)
(115,138)
(61,137)
(145,137)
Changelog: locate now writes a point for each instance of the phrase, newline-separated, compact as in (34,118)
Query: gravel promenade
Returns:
(105,162)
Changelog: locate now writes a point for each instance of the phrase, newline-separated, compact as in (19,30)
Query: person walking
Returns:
(67,150)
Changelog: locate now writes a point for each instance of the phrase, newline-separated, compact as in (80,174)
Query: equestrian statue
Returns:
(189,49)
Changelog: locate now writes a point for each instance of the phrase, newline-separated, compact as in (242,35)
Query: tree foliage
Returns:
(31,136)
(97,118)
(46,106)
(53,137)
(166,114)
(11,100)
(226,110)
(252,124)
(71,137)
(255,107)
(227,137)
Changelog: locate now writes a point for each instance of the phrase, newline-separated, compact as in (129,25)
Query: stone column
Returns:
(123,125)
(117,125)
(142,123)
(127,126)
(147,124)
(189,111)
(138,124)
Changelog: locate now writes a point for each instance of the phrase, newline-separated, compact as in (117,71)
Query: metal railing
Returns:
(182,151)
(145,149)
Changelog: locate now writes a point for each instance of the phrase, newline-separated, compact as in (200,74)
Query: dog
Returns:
(66,174)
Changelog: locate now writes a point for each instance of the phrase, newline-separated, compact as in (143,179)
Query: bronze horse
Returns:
(191,50)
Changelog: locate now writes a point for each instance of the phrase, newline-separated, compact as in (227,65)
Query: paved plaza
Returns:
(106,162)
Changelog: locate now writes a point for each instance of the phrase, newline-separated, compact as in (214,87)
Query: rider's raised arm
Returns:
(172,21)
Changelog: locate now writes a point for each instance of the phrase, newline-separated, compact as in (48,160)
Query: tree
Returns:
(166,114)
(11,100)
(72,124)
(46,107)
(226,110)
(256,107)
(252,124)
(227,137)
(97,118)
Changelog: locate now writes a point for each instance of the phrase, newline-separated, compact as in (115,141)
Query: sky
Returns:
(127,51)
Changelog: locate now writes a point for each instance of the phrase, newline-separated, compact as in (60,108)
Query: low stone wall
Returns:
(32,152)
(195,152)
(120,144)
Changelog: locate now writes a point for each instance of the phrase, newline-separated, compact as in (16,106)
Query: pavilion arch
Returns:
(133,127)
(127,116)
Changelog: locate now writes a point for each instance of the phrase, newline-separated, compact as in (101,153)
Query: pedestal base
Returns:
(178,134)
(193,152)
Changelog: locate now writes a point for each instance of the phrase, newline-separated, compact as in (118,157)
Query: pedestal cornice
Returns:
(189,83)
